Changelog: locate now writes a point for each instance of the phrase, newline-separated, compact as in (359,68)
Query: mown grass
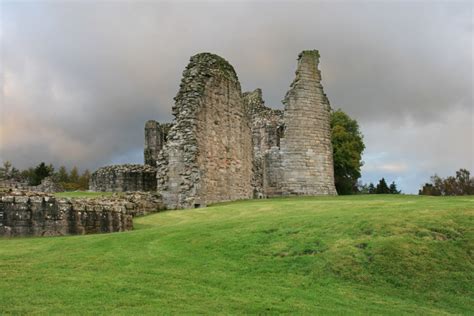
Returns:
(324,255)
(82,194)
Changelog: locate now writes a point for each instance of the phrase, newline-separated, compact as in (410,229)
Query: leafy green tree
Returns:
(382,187)
(461,184)
(429,189)
(464,182)
(348,145)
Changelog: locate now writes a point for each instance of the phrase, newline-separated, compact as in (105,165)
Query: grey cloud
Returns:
(83,77)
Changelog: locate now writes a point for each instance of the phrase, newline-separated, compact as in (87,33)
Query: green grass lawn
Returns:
(82,194)
(319,255)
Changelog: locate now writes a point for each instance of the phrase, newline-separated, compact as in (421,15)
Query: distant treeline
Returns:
(461,184)
(70,180)
(380,188)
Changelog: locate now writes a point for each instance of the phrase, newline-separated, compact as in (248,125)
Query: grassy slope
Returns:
(82,194)
(362,254)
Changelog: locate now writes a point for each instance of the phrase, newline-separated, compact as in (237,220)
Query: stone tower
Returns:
(305,148)
(208,154)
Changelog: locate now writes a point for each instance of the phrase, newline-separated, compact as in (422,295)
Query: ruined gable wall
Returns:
(306,150)
(208,156)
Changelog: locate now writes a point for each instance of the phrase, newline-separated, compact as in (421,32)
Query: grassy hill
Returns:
(360,254)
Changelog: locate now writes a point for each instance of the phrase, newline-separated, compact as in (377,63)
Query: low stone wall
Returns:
(47,185)
(25,213)
(124,178)
(134,203)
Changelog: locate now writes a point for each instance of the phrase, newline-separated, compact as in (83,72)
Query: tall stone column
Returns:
(305,148)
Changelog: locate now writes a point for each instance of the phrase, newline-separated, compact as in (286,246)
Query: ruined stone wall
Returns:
(224,145)
(305,148)
(156,135)
(123,178)
(208,156)
(24,213)
(267,127)
(47,185)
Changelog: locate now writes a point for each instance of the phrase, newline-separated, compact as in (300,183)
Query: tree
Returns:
(362,188)
(465,183)
(429,189)
(15,174)
(393,188)
(371,188)
(461,184)
(74,175)
(50,169)
(5,171)
(27,175)
(84,180)
(382,187)
(39,173)
(62,174)
(348,145)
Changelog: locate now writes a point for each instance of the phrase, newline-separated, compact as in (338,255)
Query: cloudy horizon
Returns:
(79,79)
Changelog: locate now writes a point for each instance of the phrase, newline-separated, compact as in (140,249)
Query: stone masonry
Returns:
(47,185)
(122,178)
(156,135)
(208,155)
(226,145)
(306,149)
(267,129)
(25,213)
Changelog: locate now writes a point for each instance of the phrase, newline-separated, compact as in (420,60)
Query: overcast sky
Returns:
(79,79)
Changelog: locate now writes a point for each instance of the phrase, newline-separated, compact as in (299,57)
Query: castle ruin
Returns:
(226,145)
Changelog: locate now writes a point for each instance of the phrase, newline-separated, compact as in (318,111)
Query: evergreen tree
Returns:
(39,173)
(62,175)
(74,175)
(393,188)
(371,188)
(382,187)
